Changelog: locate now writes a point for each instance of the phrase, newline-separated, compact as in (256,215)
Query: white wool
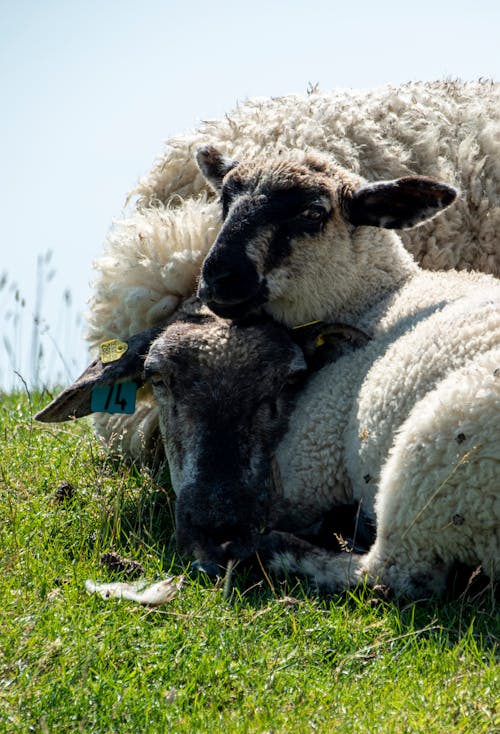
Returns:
(152,258)
(151,261)
(345,420)
(154,595)
(438,499)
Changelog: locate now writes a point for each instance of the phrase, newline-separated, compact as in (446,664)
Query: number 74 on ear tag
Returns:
(116,398)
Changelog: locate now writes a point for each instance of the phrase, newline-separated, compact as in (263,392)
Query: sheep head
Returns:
(295,235)
(224,392)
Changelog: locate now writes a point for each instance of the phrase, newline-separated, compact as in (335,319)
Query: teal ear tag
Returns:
(117,398)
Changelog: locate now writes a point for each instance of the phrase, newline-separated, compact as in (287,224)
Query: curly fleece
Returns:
(151,260)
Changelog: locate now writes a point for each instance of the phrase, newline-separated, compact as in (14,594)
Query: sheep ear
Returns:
(76,401)
(398,204)
(214,165)
(322,342)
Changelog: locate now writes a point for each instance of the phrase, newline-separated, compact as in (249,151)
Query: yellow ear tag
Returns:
(319,339)
(112,350)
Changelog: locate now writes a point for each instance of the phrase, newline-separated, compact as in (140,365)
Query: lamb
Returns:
(410,424)
(221,417)
(448,130)
(152,258)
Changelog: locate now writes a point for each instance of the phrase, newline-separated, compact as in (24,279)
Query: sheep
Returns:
(447,130)
(221,417)
(409,425)
(152,257)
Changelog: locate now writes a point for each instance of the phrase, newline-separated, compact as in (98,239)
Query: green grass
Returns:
(267,658)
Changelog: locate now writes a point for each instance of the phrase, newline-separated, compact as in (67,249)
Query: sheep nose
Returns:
(211,569)
(215,285)
(220,279)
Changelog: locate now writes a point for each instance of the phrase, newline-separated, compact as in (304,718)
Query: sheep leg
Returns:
(285,553)
(337,572)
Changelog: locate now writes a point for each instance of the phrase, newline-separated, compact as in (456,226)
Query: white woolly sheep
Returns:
(410,424)
(447,130)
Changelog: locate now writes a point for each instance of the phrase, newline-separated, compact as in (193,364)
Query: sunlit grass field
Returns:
(255,657)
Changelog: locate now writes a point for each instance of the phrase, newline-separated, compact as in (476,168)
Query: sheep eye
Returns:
(156,380)
(314,212)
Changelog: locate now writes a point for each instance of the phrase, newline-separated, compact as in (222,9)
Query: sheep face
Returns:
(224,393)
(297,224)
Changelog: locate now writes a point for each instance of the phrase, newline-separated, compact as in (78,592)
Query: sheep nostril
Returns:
(222,287)
(222,535)
(218,277)
(222,284)
(217,286)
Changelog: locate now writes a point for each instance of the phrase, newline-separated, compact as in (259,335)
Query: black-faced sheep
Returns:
(225,392)
(410,424)
(152,258)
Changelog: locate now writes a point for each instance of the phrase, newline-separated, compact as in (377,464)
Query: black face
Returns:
(225,392)
(260,226)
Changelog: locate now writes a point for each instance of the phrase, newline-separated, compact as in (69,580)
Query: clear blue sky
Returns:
(89,91)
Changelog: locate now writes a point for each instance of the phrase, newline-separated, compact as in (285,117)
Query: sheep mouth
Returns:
(219,547)
(236,309)
(215,561)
